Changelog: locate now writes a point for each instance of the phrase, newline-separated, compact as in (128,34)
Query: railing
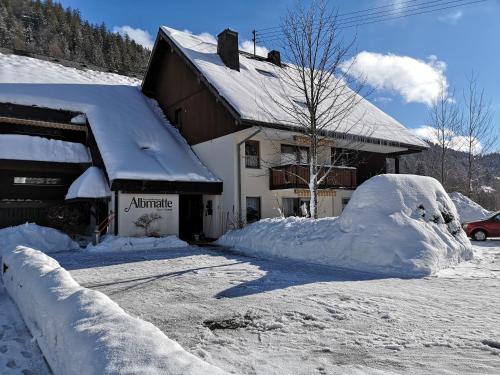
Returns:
(297,176)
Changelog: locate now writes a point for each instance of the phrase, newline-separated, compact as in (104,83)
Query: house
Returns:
(195,149)
(91,141)
(218,98)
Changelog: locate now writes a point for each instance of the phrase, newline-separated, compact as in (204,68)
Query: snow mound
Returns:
(398,225)
(468,210)
(119,243)
(46,239)
(82,331)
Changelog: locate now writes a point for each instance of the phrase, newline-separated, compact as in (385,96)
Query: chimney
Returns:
(274,57)
(227,48)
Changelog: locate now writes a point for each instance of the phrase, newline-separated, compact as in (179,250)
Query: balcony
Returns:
(293,176)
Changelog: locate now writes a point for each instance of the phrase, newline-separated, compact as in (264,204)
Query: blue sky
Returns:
(402,55)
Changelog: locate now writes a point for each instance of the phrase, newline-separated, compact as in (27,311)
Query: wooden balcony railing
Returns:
(294,176)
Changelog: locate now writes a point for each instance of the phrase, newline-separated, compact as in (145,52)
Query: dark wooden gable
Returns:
(185,96)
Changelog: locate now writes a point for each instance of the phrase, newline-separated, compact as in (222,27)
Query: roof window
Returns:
(266,73)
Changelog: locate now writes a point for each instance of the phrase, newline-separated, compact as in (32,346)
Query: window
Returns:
(295,207)
(252,157)
(253,209)
(345,201)
(294,154)
(342,157)
(300,103)
(37,181)
(266,73)
(178,118)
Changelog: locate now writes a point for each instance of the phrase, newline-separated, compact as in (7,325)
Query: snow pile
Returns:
(82,331)
(468,210)
(45,239)
(91,184)
(119,243)
(26,147)
(400,225)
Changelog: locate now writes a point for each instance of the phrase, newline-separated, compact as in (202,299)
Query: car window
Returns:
(496,218)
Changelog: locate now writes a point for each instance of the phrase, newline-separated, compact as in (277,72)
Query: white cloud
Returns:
(140,36)
(452,18)
(414,79)
(247,46)
(458,142)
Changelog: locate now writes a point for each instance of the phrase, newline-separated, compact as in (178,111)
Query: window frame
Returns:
(297,153)
(256,143)
(259,211)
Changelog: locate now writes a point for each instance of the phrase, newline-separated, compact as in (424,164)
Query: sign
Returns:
(304,193)
(148,214)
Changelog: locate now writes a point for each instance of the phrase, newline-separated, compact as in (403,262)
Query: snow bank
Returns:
(400,225)
(91,184)
(26,147)
(467,209)
(45,239)
(82,331)
(118,243)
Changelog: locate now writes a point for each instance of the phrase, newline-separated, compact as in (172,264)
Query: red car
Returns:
(480,230)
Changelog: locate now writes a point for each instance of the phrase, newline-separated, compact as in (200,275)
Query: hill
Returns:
(46,28)
(486,184)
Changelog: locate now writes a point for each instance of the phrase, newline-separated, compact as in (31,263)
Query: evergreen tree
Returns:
(46,28)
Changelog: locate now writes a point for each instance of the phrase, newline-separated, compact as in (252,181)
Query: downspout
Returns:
(238,185)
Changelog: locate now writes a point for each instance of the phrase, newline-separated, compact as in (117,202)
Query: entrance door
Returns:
(190,216)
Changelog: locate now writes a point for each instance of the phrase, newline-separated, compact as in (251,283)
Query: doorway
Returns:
(190,216)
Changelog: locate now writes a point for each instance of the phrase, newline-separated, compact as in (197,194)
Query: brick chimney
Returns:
(227,48)
(274,57)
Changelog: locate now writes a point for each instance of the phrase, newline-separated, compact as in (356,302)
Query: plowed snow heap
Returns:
(400,225)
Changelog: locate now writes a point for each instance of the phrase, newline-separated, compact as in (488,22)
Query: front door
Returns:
(190,216)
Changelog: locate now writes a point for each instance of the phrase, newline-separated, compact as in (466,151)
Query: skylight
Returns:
(266,73)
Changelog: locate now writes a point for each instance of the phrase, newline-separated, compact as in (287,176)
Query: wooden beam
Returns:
(43,124)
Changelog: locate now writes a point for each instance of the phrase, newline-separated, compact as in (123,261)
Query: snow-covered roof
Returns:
(135,141)
(26,147)
(91,184)
(248,92)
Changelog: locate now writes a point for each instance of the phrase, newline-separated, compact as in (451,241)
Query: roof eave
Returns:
(411,147)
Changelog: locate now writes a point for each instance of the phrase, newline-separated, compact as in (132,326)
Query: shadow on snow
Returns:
(278,273)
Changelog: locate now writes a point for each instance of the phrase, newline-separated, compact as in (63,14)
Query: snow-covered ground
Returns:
(255,316)
(19,354)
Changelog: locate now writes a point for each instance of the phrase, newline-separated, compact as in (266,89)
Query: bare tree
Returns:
(479,132)
(446,123)
(318,95)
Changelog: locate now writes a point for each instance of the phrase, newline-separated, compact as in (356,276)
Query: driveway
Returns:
(255,316)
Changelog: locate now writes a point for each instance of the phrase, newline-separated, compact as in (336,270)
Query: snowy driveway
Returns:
(19,354)
(254,316)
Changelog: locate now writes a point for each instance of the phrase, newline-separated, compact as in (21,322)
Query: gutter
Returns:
(238,166)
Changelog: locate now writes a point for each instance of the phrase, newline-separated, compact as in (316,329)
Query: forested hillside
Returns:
(46,28)
(486,181)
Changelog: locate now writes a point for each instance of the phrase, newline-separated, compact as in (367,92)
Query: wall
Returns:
(132,206)
(175,85)
(219,155)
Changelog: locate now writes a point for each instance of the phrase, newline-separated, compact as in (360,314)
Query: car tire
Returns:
(479,235)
